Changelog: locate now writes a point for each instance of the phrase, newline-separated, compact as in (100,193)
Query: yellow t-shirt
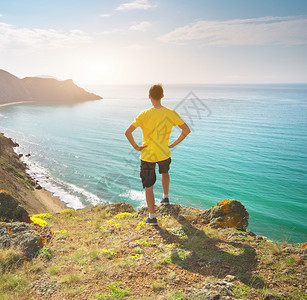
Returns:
(156,124)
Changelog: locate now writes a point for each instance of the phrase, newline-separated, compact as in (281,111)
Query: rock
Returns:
(293,250)
(250,233)
(269,296)
(237,234)
(11,210)
(229,213)
(22,236)
(38,187)
(220,290)
(44,286)
(28,155)
(230,278)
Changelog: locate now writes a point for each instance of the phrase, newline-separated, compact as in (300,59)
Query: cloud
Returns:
(257,31)
(142,26)
(105,15)
(1,15)
(137,4)
(28,39)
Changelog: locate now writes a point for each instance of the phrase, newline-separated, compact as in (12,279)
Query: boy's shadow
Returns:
(204,255)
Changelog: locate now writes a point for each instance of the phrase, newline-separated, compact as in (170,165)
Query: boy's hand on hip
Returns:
(171,145)
(139,148)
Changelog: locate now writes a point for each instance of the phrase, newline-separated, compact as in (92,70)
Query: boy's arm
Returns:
(130,138)
(185,130)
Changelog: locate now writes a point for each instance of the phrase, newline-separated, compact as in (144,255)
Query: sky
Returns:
(150,41)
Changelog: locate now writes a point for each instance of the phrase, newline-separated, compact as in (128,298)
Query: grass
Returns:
(115,262)
(45,253)
(158,286)
(54,270)
(70,278)
(144,242)
(176,296)
(242,292)
(10,259)
(12,282)
(116,292)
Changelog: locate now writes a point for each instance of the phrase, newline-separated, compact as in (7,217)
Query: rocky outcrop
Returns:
(13,89)
(22,236)
(16,228)
(229,213)
(11,210)
(226,213)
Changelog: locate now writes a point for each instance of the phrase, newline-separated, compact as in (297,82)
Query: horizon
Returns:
(80,84)
(131,42)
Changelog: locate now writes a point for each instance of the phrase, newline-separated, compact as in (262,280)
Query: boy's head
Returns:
(156,92)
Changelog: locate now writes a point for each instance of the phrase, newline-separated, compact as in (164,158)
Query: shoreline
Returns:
(50,202)
(35,200)
(15,103)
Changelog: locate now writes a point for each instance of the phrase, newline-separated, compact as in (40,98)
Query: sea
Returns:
(247,142)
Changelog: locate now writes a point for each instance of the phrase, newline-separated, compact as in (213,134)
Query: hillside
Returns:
(13,89)
(15,180)
(108,252)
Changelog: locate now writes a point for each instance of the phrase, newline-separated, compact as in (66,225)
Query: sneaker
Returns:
(151,221)
(165,201)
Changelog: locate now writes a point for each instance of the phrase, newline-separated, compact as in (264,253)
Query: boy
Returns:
(156,123)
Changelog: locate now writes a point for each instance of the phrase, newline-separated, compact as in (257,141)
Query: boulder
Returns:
(22,236)
(229,213)
(11,210)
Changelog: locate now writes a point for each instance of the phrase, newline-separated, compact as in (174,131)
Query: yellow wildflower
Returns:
(67,211)
(123,215)
(39,221)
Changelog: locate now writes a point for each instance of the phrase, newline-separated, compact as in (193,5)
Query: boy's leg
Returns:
(165,182)
(150,199)
(148,176)
(163,170)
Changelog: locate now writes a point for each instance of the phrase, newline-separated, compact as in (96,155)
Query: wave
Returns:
(73,196)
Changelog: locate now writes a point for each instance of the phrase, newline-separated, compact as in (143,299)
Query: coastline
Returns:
(14,103)
(50,202)
(15,180)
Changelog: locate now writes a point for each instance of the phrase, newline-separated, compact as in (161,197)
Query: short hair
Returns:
(156,92)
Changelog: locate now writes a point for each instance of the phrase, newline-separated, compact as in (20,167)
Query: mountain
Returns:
(46,90)
(12,89)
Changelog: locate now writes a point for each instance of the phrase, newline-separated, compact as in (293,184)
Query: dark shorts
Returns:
(148,171)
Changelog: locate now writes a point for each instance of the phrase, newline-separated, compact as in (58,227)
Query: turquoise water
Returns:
(247,143)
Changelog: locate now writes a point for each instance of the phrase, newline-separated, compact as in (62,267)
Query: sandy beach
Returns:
(50,203)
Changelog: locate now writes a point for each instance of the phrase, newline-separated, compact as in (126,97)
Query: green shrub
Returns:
(116,291)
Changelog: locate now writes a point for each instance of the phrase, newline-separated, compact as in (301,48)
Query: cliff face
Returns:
(13,89)
(15,180)
(52,90)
